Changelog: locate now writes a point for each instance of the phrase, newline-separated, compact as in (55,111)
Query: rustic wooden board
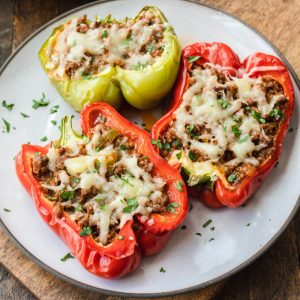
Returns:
(274,276)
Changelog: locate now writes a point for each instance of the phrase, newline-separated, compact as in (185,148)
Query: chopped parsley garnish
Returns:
(161,145)
(44,139)
(248,224)
(176,143)
(150,48)
(223,103)
(193,58)
(140,66)
(76,180)
(125,180)
(247,108)
(236,131)
(224,128)
(123,147)
(37,154)
(105,33)
(39,103)
(86,76)
(67,256)
(232,177)
(127,41)
(24,115)
(132,205)
(276,113)
(210,185)
(191,128)
(257,116)
(54,109)
(66,195)
(6,209)
(183,227)
(179,186)
(121,237)
(86,139)
(244,138)
(192,156)
(198,233)
(207,223)
(6,126)
(212,239)
(8,106)
(79,207)
(171,207)
(53,122)
(86,230)
(212,229)
(179,154)
(162,270)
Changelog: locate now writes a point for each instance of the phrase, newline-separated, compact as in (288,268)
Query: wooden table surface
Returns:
(275,275)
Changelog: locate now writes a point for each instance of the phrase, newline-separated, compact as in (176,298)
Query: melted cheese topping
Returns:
(227,125)
(130,44)
(119,197)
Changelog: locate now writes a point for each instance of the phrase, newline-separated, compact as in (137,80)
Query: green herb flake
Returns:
(66,195)
(198,233)
(140,67)
(192,156)
(125,181)
(121,237)
(232,177)
(171,207)
(132,205)
(162,270)
(212,239)
(236,131)
(248,224)
(212,228)
(79,208)
(105,33)
(179,154)
(37,154)
(175,143)
(86,230)
(207,223)
(8,106)
(244,138)
(86,76)
(40,103)
(44,139)
(6,126)
(223,103)
(24,115)
(123,147)
(193,58)
(150,48)
(67,256)
(54,109)
(276,113)
(6,210)
(161,145)
(53,122)
(179,186)
(257,116)
(127,42)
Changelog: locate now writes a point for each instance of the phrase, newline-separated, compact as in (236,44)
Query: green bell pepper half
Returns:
(143,88)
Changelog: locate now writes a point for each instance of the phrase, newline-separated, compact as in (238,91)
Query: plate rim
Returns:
(228,274)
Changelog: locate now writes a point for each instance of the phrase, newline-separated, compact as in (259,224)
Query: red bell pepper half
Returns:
(121,256)
(254,66)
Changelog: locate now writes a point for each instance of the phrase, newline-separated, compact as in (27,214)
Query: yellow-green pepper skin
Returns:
(143,88)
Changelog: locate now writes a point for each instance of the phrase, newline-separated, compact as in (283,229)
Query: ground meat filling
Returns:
(117,186)
(86,48)
(238,131)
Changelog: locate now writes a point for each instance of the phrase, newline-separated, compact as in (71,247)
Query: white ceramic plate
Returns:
(191,261)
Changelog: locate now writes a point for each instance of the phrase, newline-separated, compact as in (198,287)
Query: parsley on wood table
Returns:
(276,274)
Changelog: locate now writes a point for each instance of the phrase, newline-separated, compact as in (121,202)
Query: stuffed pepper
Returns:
(107,194)
(226,122)
(107,59)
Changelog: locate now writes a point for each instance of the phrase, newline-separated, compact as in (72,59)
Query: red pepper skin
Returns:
(255,65)
(154,235)
(113,261)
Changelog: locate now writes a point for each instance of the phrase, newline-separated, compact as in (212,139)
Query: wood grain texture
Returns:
(276,275)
